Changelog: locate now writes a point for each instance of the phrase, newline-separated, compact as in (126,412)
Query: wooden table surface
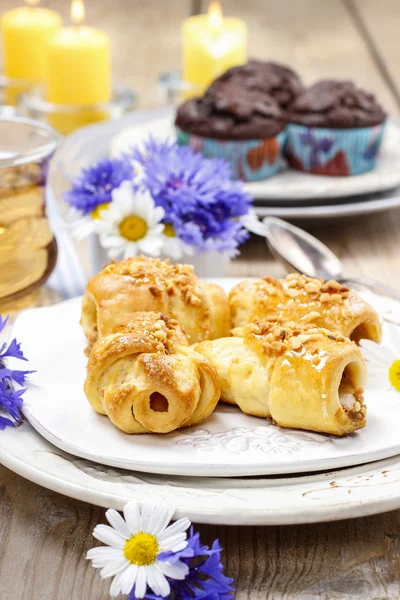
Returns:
(44,536)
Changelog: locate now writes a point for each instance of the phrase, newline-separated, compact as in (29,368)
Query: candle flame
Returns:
(215,15)
(77,12)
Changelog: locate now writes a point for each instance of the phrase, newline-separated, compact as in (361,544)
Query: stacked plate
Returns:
(290,194)
(233,469)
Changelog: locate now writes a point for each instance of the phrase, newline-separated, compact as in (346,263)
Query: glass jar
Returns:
(28,249)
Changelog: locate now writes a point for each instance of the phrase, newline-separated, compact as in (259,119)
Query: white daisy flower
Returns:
(131,224)
(134,555)
(174,247)
(383,362)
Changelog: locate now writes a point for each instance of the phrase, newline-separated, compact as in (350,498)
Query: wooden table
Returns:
(44,535)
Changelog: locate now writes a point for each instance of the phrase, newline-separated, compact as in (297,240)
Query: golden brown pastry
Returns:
(302,377)
(301,299)
(149,284)
(146,378)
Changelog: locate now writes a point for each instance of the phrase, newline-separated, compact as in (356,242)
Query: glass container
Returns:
(28,249)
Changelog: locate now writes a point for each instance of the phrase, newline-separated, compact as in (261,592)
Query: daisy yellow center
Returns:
(394,374)
(95,214)
(133,228)
(169,231)
(141,549)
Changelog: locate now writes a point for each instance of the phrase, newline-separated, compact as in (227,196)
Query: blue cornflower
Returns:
(201,201)
(10,403)
(95,184)
(10,399)
(205,579)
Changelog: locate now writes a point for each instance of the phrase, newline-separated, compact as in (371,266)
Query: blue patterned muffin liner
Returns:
(251,160)
(325,151)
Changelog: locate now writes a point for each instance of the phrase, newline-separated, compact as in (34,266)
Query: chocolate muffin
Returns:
(238,113)
(338,104)
(273,79)
(241,124)
(334,128)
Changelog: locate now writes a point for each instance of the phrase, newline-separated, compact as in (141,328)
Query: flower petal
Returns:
(177,570)
(174,543)
(128,578)
(156,231)
(114,567)
(150,245)
(157,581)
(115,587)
(251,222)
(160,519)
(131,249)
(177,527)
(159,213)
(377,354)
(395,335)
(116,521)
(144,207)
(109,536)
(111,240)
(102,555)
(146,514)
(132,516)
(141,582)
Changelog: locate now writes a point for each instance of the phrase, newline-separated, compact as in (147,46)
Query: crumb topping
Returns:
(160,277)
(296,284)
(276,336)
(159,332)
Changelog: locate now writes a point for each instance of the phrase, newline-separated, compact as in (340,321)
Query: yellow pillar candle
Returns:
(25,32)
(211,45)
(78,71)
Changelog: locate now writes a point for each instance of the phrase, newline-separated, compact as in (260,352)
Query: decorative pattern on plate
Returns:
(269,440)
(348,493)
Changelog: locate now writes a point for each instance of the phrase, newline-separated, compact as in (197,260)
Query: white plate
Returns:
(229,443)
(96,141)
(350,493)
(389,201)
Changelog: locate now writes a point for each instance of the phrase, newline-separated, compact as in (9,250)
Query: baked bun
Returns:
(297,376)
(149,284)
(144,376)
(305,300)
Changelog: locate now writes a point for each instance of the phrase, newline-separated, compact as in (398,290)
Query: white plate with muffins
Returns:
(294,389)
(306,147)
(288,184)
(287,190)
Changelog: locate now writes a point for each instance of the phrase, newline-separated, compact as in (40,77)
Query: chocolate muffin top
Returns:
(336,103)
(280,82)
(239,113)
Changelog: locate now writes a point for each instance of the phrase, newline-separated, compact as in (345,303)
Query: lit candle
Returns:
(211,45)
(26,31)
(78,70)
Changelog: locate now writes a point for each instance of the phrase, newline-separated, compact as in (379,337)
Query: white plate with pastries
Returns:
(289,186)
(144,377)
